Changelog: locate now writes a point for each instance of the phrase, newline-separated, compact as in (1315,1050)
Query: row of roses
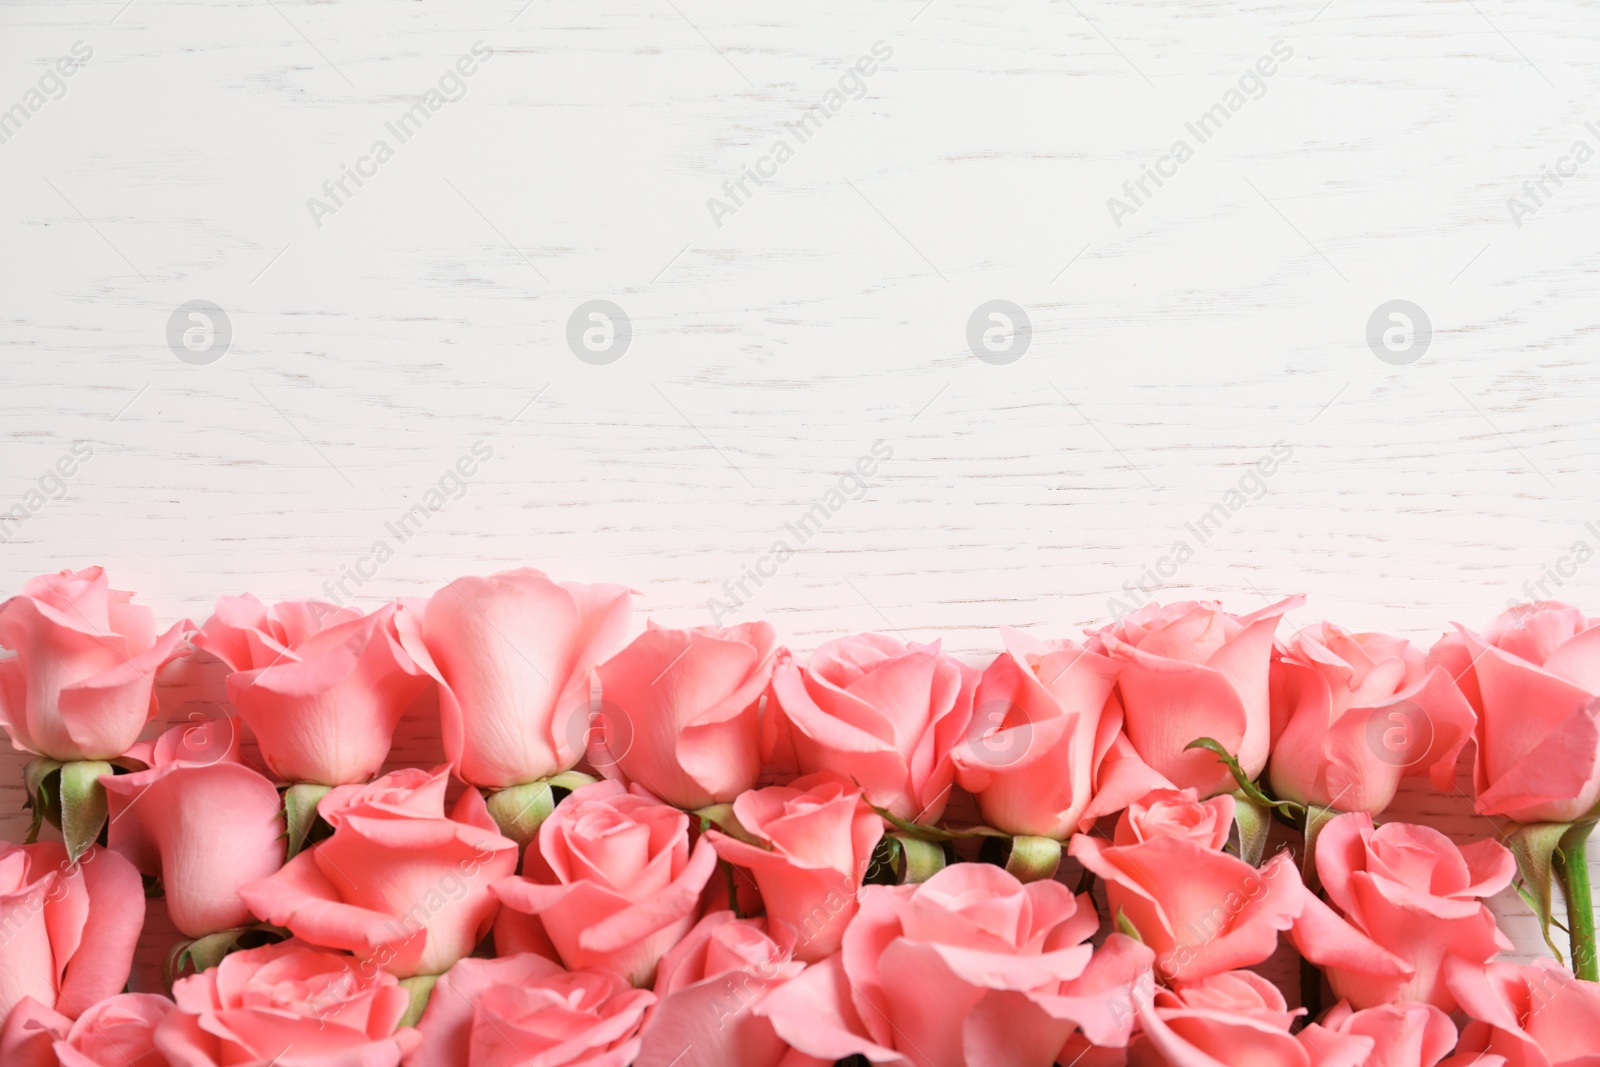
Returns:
(1050,738)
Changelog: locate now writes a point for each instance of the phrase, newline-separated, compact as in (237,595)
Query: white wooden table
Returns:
(964,152)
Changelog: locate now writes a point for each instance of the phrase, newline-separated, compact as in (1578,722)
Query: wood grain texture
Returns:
(829,311)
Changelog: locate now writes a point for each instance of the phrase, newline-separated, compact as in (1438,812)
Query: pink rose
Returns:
(1189,671)
(202,821)
(882,713)
(613,880)
(287,1004)
(1234,1019)
(707,985)
(1045,754)
(1199,909)
(69,929)
(398,883)
(525,1010)
(321,687)
(1410,899)
(1358,711)
(116,1032)
(817,836)
(1533,1016)
(513,654)
(968,969)
(1403,1035)
(80,686)
(687,702)
(1532,677)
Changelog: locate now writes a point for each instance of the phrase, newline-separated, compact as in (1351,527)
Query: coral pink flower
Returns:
(1537,1015)
(399,883)
(287,1004)
(613,880)
(81,685)
(321,687)
(1045,754)
(1409,901)
(1234,1019)
(1189,671)
(116,1032)
(687,705)
(1199,909)
(69,929)
(522,1010)
(707,985)
(968,969)
(513,654)
(817,836)
(202,821)
(1532,676)
(1357,713)
(882,713)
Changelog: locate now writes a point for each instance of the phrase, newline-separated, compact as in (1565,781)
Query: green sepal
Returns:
(1252,825)
(1289,809)
(83,805)
(1034,859)
(919,860)
(520,810)
(1534,846)
(1316,819)
(1125,926)
(421,988)
(300,813)
(41,793)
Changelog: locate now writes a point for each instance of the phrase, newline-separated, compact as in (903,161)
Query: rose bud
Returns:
(287,1004)
(1192,670)
(70,929)
(200,820)
(882,713)
(1045,756)
(1532,677)
(80,686)
(1199,909)
(513,654)
(814,843)
(706,987)
(527,1010)
(1409,900)
(1359,711)
(399,883)
(689,701)
(321,687)
(613,880)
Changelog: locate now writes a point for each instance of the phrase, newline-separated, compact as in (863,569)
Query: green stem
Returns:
(1572,867)
(421,988)
(922,859)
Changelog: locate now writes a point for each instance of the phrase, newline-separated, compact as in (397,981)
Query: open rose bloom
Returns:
(694,847)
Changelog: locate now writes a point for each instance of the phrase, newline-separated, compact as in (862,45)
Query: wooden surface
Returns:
(373,346)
